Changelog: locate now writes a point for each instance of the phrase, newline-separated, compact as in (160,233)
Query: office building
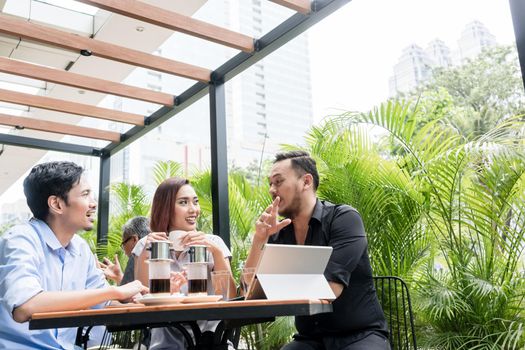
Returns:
(415,64)
(267,105)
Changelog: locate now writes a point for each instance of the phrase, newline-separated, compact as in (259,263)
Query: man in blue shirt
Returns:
(45,266)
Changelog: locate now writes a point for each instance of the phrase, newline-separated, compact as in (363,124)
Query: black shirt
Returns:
(356,312)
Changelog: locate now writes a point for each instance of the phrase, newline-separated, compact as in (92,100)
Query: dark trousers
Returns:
(373,341)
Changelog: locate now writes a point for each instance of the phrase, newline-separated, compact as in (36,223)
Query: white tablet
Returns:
(288,259)
(291,272)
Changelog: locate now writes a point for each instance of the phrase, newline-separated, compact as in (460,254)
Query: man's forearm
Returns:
(337,288)
(63,301)
(255,251)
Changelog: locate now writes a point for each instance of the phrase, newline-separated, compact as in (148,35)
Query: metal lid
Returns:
(198,254)
(160,250)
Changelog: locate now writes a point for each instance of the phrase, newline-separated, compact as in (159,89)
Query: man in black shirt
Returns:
(357,320)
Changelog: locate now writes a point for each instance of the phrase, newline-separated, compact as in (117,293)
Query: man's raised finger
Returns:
(275,205)
(283,223)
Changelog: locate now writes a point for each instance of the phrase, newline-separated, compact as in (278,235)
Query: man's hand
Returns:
(111,270)
(126,292)
(267,224)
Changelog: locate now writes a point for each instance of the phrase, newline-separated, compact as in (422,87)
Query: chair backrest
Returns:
(394,297)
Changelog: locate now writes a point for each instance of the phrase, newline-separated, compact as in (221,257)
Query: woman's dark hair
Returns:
(302,163)
(49,179)
(163,205)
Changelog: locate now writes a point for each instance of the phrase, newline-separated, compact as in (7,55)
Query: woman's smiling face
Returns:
(187,210)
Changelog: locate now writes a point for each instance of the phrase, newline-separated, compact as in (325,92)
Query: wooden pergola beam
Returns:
(301,6)
(175,21)
(87,46)
(58,128)
(52,75)
(70,107)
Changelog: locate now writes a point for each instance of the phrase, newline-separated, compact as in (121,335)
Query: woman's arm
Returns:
(221,262)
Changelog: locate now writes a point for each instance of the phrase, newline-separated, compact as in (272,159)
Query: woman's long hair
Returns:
(163,206)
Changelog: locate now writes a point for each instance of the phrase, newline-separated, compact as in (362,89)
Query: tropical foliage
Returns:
(246,202)
(429,195)
(478,94)
(439,181)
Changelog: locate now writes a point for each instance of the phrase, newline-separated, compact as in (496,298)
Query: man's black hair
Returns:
(302,163)
(49,179)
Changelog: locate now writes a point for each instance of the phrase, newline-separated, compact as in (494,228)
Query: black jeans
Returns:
(373,341)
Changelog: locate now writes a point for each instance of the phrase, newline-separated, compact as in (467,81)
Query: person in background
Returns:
(176,207)
(132,231)
(45,266)
(357,321)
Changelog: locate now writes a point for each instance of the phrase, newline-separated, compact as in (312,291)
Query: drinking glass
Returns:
(197,275)
(247,275)
(221,283)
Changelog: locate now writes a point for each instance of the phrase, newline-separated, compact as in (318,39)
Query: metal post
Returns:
(219,162)
(517,9)
(103,200)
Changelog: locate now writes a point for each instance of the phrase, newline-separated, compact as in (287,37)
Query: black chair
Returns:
(394,297)
(112,340)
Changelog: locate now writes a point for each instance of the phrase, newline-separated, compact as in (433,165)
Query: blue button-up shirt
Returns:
(32,260)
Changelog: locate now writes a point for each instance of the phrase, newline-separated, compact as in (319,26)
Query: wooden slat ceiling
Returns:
(21,28)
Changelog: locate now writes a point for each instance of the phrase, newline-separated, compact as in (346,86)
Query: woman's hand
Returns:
(153,236)
(177,280)
(156,236)
(141,268)
(199,238)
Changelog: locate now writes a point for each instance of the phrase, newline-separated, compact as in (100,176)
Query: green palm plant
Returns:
(435,194)
(127,201)
(166,169)
(355,170)
(246,203)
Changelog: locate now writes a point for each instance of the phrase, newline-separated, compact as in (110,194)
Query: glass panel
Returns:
(68,14)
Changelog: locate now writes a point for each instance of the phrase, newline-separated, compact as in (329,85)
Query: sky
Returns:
(354,50)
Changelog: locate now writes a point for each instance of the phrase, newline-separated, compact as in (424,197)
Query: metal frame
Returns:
(517,10)
(103,198)
(23,141)
(283,33)
(270,42)
(219,162)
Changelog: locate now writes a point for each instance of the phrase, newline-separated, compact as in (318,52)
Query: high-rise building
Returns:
(266,105)
(474,39)
(439,53)
(415,64)
(413,67)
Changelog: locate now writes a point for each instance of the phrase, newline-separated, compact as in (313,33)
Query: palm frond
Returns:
(166,169)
